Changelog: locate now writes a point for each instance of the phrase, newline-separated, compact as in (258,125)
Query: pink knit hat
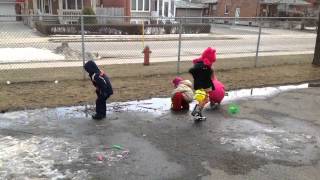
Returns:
(208,57)
(176,81)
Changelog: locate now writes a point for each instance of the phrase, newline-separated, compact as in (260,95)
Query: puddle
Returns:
(154,106)
(261,93)
(284,143)
(159,106)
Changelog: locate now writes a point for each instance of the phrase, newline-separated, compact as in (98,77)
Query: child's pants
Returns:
(217,95)
(179,103)
(101,106)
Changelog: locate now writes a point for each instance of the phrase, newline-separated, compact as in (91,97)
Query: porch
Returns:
(67,10)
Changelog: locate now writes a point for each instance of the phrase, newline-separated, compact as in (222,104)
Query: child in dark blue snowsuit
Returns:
(103,88)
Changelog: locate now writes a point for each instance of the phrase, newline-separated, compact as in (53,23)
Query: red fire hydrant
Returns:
(146,51)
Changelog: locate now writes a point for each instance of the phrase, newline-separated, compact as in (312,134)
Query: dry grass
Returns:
(132,82)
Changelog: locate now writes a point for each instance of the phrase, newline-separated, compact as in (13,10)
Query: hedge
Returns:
(120,29)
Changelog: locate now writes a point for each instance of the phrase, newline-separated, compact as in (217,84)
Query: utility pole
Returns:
(316,57)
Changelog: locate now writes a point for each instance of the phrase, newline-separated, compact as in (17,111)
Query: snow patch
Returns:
(12,55)
(35,157)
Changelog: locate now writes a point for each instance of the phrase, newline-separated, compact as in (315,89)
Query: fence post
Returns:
(143,35)
(179,47)
(83,48)
(258,45)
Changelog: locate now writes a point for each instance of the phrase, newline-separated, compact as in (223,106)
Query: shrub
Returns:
(89,20)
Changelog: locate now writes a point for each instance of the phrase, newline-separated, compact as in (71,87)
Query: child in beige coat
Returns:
(182,95)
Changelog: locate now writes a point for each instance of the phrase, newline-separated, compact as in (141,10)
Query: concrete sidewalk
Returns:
(21,38)
(138,60)
(168,37)
(275,136)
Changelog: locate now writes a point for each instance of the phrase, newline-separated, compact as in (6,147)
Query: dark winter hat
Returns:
(91,67)
(176,81)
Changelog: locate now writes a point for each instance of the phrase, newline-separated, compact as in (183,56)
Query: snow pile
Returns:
(71,54)
(12,55)
(67,52)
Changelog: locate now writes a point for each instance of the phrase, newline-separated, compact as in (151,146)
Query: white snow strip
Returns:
(10,55)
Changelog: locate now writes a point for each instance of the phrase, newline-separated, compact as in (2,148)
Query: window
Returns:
(226,9)
(172,8)
(146,5)
(140,5)
(39,4)
(45,6)
(133,5)
(214,7)
(79,4)
(160,7)
(166,9)
(72,4)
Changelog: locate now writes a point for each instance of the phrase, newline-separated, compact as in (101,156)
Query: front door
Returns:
(44,6)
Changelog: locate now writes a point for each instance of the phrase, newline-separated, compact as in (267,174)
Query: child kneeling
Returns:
(182,95)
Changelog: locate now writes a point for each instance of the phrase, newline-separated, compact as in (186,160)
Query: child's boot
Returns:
(98,116)
(196,110)
(199,117)
(214,105)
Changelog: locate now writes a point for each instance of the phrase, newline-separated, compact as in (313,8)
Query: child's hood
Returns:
(91,67)
(187,83)
(208,57)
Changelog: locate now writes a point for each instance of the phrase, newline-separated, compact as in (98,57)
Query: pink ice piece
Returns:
(100,157)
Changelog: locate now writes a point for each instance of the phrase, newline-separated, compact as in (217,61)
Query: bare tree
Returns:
(316,58)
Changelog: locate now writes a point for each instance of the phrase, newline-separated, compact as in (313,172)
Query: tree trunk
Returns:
(316,58)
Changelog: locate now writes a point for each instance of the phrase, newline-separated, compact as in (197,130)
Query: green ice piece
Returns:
(233,109)
(117,147)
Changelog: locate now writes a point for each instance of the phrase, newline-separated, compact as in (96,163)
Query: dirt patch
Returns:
(76,92)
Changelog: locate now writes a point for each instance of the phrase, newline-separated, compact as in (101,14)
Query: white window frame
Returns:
(225,9)
(171,12)
(143,6)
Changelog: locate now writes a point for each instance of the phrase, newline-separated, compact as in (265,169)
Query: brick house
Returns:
(232,8)
(314,8)
(254,8)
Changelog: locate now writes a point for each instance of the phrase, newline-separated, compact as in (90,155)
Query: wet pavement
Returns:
(275,136)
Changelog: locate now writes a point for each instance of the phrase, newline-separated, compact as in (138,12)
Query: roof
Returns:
(289,2)
(189,5)
(209,1)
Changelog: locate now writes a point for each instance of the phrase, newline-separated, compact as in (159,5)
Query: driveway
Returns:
(275,136)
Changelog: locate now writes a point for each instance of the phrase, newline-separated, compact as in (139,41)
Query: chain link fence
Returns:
(51,47)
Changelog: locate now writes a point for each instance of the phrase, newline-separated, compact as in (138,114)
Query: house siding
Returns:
(248,8)
(118,3)
(190,13)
